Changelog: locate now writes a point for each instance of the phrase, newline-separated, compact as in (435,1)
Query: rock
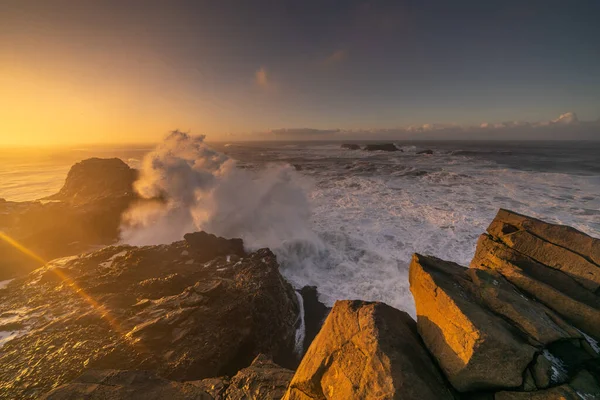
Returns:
(315,313)
(563,236)
(584,272)
(428,151)
(350,146)
(475,348)
(146,308)
(126,385)
(263,379)
(96,178)
(205,246)
(551,287)
(381,147)
(86,212)
(536,320)
(583,386)
(367,350)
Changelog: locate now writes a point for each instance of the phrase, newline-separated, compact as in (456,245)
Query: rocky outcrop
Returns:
(97,178)
(350,146)
(523,321)
(86,212)
(262,380)
(159,308)
(381,147)
(367,350)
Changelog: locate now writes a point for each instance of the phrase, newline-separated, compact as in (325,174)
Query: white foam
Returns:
(5,283)
(301,331)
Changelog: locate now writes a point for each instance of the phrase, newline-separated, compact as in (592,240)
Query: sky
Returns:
(76,71)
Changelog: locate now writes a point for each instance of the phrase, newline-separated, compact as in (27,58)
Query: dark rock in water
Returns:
(154,308)
(297,167)
(206,246)
(350,146)
(263,380)
(381,147)
(315,313)
(86,212)
(96,178)
(367,350)
(428,151)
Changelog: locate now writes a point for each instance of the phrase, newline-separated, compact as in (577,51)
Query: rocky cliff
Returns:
(86,212)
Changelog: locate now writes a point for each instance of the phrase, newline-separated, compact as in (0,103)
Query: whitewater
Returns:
(346,221)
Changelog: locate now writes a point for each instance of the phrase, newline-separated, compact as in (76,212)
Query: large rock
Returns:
(551,287)
(367,350)
(155,308)
(262,380)
(561,235)
(97,178)
(85,213)
(575,265)
(381,147)
(475,348)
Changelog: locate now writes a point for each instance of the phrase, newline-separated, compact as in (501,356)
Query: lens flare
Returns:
(102,310)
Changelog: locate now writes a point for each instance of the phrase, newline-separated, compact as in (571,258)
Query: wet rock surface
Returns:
(153,308)
(86,212)
(262,380)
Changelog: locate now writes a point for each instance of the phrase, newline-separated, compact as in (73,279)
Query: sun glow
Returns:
(101,309)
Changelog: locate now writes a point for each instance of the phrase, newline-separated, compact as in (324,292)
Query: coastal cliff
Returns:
(205,318)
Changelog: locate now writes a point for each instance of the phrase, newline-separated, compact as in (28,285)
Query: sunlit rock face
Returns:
(367,350)
(523,321)
(86,212)
(186,311)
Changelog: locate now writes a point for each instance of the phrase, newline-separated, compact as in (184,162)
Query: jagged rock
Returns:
(350,146)
(262,380)
(96,178)
(561,235)
(152,308)
(585,272)
(536,320)
(86,212)
(551,287)
(475,348)
(315,313)
(381,147)
(367,350)
(126,385)
(428,151)
(583,386)
(206,246)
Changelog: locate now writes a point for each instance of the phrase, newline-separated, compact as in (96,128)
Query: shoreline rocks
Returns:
(155,308)
(381,147)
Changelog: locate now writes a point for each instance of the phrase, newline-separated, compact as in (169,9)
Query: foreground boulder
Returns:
(461,334)
(86,212)
(156,308)
(262,380)
(523,321)
(367,350)
(381,147)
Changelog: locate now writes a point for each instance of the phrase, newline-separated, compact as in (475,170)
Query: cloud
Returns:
(261,78)
(566,118)
(302,132)
(336,57)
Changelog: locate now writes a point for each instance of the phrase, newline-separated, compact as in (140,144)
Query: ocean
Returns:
(368,212)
